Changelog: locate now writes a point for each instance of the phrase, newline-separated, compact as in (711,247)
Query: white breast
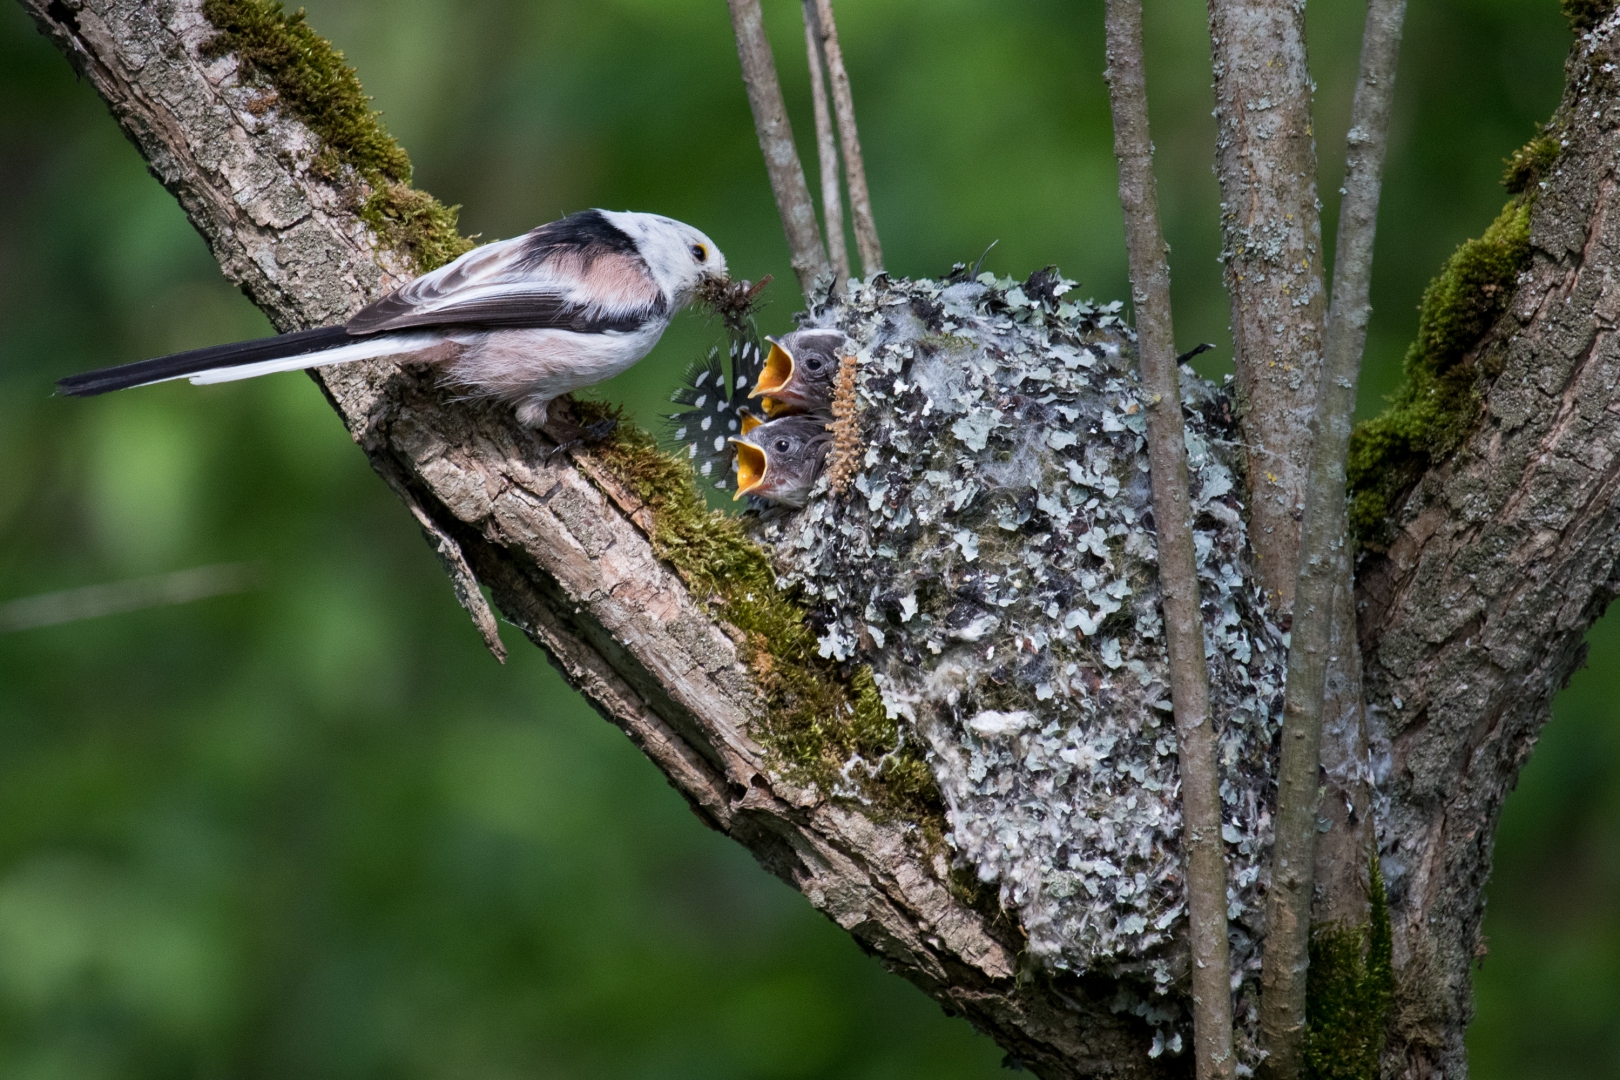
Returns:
(514,364)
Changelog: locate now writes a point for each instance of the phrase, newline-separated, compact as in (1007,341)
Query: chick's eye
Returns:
(781,446)
(700,253)
(813,363)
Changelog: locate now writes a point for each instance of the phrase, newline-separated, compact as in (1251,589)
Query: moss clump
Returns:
(313,83)
(1530,163)
(1436,406)
(1349,990)
(413,221)
(814,721)
(1585,14)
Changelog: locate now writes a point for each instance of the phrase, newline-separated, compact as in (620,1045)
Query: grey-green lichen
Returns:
(1350,990)
(312,82)
(823,722)
(1439,402)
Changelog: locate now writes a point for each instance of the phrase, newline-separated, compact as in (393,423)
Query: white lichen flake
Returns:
(994,562)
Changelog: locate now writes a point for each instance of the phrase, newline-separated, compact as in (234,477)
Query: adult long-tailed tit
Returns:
(562,307)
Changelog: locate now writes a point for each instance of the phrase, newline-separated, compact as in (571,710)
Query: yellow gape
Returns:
(751,466)
(776,373)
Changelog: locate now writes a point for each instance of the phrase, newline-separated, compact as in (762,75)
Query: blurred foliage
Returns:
(314,831)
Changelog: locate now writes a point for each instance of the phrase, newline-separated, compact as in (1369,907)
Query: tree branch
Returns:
(1324,559)
(808,257)
(860,199)
(1271,236)
(832,199)
(1178,564)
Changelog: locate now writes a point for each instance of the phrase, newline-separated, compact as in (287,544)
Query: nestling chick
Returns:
(527,320)
(779,460)
(799,371)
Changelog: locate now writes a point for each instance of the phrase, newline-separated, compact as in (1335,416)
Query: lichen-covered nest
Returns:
(992,557)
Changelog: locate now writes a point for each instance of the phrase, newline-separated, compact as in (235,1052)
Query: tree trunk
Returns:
(1503,555)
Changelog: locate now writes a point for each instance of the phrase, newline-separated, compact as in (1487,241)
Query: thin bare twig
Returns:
(832,198)
(1324,558)
(860,200)
(97,601)
(1178,568)
(793,200)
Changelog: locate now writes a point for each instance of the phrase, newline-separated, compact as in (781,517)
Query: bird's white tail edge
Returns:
(363,349)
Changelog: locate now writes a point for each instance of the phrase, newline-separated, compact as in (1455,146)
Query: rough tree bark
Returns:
(1271,247)
(1503,555)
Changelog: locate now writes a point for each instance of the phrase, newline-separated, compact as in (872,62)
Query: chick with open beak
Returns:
(780,459)
(799,371)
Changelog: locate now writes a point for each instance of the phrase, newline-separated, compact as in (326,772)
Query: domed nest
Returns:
(983,538)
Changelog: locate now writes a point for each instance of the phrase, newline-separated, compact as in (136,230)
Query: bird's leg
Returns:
(601,430)
(531,412)
(568,434)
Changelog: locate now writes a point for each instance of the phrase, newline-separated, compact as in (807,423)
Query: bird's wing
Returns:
(716,405)
(538,280)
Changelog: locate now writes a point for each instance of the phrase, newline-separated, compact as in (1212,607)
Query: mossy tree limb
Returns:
(1501,553)
(303,74)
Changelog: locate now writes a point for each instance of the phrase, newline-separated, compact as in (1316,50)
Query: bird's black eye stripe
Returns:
(700,253)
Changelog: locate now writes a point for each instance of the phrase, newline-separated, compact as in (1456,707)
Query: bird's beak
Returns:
(751,467)
(750,421)
(778,371)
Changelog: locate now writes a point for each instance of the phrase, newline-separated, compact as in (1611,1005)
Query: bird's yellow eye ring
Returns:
(700,252)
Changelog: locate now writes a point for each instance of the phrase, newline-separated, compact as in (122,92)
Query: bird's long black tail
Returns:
(214,358)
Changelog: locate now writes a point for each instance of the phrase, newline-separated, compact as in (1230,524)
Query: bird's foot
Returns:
(589,435)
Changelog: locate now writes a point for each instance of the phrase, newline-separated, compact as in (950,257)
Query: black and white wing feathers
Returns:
(715,396)
(580,274)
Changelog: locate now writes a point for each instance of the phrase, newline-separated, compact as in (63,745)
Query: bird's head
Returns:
(780,460)
(800,368)
(681,258)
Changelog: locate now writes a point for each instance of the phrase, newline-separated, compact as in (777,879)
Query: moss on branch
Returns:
(1585,14)
(312,82)
(1530,163)
(1349,993)
(821,726)
(1438,404)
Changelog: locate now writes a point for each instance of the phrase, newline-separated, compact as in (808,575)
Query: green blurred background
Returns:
(314,831)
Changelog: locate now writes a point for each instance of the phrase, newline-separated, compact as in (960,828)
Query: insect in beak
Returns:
(751,467)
